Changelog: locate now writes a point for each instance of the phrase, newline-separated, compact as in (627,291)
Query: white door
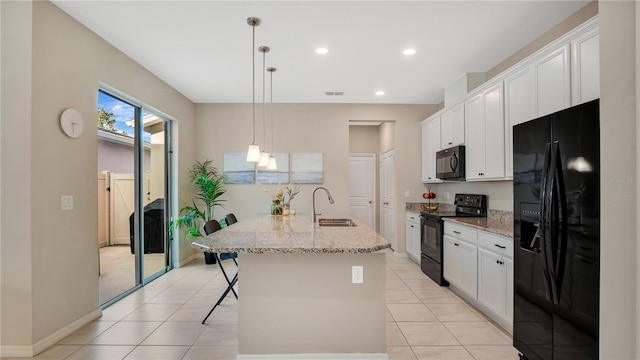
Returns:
(362,187)
(388,198)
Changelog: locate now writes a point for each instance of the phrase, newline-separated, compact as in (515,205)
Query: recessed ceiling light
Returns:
(409,51)
(380,92)
(322,50)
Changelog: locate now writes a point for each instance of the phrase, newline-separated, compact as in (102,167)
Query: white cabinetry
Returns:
(460,258)
(585,67)
(495,275)
(479,267)
(485,154)
(413,236)
(452,127)
(430,145)
(552,81)
(518,108)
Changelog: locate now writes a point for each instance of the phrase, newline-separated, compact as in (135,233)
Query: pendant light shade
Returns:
(272,164)
(264,159)
(253,153)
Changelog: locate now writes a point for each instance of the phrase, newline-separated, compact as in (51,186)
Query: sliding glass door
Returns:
(133,184)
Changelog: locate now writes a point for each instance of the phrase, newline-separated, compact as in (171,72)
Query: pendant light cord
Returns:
(264,121)
(271,107)
(253,72)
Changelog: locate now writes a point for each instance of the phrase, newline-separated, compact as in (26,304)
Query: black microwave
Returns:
(450,163)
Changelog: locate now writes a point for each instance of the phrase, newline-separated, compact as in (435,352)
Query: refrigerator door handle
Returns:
(559,219)
(547,265)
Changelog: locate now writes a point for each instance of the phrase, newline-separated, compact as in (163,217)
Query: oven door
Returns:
(431,237)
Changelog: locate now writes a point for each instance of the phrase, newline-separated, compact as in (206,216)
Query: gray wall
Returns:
(313,128)
(619,182)
(51,62)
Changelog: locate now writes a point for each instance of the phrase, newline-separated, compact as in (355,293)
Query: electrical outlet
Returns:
(357,275)
(66,202)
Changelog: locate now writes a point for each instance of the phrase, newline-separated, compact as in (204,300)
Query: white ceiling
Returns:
(203,48)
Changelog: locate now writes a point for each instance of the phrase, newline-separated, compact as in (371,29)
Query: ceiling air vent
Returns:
(334,93)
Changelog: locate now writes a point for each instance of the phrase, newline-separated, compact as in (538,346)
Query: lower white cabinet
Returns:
(460,260)
(495,283)
(479,267)
(412,236)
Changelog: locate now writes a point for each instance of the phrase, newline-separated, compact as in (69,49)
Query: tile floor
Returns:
(162,322)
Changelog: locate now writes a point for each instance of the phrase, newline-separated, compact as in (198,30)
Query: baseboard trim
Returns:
(341,356)
(42,345)
(400,255)
(185,261)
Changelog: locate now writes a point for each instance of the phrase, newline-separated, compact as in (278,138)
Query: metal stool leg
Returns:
(230,287)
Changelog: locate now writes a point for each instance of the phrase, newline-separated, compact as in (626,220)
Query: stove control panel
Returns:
(471,200)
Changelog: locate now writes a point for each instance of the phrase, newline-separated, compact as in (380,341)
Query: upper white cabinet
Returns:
(518,108)
(558,76)
(452,127)
(484,144)
(553,81)
(585,67)
(430,145)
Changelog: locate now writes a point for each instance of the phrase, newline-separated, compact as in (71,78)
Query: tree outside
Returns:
(107,121)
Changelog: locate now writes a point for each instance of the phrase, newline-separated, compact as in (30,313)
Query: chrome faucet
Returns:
(313,214)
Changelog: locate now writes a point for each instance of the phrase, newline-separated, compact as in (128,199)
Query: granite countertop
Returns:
(296,234)
(499,226)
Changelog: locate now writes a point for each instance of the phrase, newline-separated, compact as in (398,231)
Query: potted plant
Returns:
(209,187)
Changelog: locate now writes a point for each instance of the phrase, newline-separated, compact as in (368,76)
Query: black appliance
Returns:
(450,163)
(556,197)
(153,227)
(432,232)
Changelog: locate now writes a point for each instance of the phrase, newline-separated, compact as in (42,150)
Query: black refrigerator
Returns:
(556,198)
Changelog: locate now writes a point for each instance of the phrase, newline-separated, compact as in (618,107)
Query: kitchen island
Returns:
(296,296)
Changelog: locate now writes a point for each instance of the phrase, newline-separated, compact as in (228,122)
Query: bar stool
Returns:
(210,227)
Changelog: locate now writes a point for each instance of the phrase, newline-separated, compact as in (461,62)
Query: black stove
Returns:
(432,231)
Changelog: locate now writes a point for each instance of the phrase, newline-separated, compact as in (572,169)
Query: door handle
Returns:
(385,203)
(500,246)
(456,244)
(370,202)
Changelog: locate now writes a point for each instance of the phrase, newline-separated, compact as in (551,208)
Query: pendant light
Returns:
(264,155)
(253,153)
(272,159)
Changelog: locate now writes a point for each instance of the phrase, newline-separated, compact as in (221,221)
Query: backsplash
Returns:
(417,207)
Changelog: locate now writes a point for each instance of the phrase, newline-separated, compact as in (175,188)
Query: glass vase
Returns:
(285,209)
(276,208)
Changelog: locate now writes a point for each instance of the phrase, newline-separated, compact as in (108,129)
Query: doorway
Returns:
(133,188)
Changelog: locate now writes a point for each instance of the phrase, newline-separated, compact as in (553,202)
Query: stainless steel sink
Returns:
(335,222)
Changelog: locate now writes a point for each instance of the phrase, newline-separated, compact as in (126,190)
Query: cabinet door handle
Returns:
(412,226)
(450,143)
(500,246)
(456,244)
(499,262)
(456,232)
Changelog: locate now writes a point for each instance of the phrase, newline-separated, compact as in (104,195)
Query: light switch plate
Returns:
(66,202)
(407,194)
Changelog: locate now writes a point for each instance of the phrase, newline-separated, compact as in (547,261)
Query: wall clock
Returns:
(72,123)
